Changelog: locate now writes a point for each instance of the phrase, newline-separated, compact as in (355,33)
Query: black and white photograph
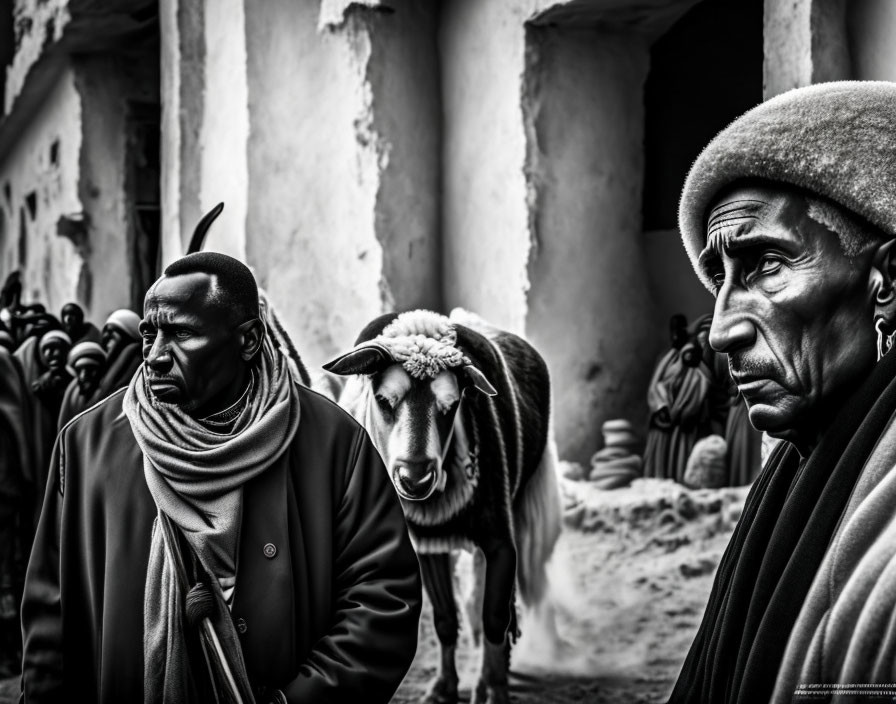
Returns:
(447,351)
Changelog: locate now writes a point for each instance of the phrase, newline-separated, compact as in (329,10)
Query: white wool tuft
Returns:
(421,322)
(423,342)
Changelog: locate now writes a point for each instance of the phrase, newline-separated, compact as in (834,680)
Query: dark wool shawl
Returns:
(787,524)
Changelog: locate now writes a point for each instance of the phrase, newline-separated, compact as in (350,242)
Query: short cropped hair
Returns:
(234,284)
(854,234)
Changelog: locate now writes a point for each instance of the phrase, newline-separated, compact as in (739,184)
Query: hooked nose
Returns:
(157,357)
(415,479)
(731,327)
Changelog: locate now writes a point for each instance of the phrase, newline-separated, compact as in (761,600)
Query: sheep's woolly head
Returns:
(423,342)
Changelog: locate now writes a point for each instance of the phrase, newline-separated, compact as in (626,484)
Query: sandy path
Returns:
(635,572)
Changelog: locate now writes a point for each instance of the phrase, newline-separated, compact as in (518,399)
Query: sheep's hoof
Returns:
(443,690)
(483,694)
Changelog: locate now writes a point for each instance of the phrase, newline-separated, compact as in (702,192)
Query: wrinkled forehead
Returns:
(740,212)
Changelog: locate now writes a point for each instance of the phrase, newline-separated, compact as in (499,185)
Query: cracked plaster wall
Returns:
(223,159)
(805,42)
(485,218)
(182,81)
(589,310)
(338,170)
(318,128)
(107,84)
(37,23)
(52,267)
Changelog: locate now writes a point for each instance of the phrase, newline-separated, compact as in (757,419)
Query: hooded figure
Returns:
(47,389)
(676,399)
(15,465)
(121,341)
(75,326)
(86,362)
(789,219)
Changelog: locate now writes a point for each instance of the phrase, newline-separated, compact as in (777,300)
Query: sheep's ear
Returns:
(368,358)
(478,381)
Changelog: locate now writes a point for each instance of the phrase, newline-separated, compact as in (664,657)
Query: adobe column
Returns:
(343,163)
(805,42)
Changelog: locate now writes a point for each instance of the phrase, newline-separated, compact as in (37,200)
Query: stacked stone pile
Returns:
(617,464)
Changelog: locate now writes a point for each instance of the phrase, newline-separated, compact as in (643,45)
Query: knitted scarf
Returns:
(783,534)
(196,478)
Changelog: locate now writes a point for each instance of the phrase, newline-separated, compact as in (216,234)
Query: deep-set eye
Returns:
(384,404)
(768,265)
(718,279)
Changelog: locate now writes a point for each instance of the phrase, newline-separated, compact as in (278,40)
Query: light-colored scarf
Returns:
(196,478)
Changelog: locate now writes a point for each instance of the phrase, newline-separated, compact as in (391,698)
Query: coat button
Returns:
(241,625)
(270,550)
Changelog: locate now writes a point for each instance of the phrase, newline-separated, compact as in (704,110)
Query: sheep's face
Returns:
(409,415)
(410,421)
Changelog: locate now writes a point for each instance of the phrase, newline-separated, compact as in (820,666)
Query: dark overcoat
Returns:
(327,596)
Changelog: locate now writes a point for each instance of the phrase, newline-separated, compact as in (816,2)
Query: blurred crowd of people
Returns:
(52,368)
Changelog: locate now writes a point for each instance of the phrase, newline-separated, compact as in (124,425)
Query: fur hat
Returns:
(834,139)
(125,320)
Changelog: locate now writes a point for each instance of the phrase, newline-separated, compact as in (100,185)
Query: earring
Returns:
(884,341)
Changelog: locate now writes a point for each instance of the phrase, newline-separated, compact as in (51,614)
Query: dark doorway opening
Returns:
(144,196)
(704,72)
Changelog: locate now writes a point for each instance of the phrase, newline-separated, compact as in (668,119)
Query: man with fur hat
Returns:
(215,531)
(789,218)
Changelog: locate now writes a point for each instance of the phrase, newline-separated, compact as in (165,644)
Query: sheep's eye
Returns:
(384,404)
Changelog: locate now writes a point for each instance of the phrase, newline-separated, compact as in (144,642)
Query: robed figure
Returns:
(676,399)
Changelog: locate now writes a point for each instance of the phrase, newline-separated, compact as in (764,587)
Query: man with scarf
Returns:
(215,531)
(789,218)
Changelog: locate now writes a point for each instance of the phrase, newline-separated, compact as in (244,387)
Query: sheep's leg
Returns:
(437,580)
(473,605)
(497,620)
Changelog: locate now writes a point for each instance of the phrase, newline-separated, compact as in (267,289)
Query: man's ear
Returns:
(252,332)
(883,279)
(366,358)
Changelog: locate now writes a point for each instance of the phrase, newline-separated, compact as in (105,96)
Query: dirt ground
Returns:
(633,571)
(631,576)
